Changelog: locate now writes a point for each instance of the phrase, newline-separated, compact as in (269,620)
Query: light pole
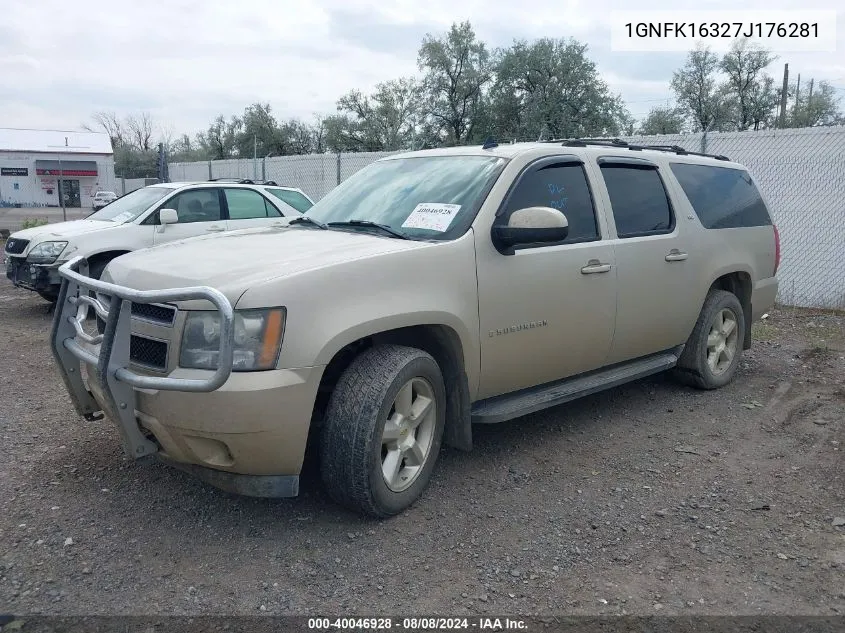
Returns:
(61,193)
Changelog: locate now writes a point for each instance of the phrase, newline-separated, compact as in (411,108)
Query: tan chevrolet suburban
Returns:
(429,291)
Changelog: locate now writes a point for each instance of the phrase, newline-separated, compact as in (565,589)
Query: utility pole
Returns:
(810,96)
(798,91)
(62,193)
(783,95)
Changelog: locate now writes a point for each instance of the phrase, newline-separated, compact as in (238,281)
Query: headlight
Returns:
(258,338)
(46,252)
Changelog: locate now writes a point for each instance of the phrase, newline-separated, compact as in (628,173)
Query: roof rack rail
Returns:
(268,183)
(618,142)
(237,181)
(677,149)
(583,142)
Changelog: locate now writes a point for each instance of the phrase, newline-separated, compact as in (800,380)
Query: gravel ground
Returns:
(651,498)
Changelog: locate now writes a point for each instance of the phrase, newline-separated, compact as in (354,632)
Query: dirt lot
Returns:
(652,498)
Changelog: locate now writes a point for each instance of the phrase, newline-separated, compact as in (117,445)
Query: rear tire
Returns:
(714,348)
(383,429)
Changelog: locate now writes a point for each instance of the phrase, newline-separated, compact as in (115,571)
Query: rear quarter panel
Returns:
(720,252)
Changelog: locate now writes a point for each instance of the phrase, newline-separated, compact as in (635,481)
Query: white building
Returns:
(36,165)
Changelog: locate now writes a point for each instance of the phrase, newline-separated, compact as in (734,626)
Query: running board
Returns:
(515,405)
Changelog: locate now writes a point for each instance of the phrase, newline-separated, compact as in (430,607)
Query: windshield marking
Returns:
(432,216)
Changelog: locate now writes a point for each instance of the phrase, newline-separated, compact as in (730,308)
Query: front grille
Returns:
(16,246)
(155,313)
(147,352)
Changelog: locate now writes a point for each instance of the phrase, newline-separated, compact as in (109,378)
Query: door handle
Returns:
(595,266)
(676,256)
(215,229)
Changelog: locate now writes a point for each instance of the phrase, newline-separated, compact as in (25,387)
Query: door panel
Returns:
(200,213)
(547,312)
(655,261)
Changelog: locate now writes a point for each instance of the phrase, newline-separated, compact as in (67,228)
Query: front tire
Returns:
(383,429)
(712,353)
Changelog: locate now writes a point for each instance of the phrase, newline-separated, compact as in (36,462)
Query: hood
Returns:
(233,262)
(63,230)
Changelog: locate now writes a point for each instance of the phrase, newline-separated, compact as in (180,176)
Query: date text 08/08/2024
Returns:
(417,624)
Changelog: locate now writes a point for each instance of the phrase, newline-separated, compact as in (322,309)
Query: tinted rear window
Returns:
(723,198)
(293,198)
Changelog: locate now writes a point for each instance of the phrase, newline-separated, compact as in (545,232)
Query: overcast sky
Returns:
(60,61)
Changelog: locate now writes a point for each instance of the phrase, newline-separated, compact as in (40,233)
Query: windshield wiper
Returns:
(304,219)
(384,227)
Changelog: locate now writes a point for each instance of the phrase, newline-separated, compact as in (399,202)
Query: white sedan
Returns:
(102,198)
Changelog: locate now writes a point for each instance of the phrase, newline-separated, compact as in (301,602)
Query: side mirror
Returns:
(532,225)
(168,216)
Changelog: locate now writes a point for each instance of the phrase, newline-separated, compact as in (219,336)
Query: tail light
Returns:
(777,249)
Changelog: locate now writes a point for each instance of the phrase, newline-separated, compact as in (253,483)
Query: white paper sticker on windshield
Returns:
(123,217)
(432,216)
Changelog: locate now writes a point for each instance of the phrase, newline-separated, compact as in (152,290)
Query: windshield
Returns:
(131,205)
(431,197)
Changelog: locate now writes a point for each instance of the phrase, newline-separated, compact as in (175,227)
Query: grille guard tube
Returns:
(112,363)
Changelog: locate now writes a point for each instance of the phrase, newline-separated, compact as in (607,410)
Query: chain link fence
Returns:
(801,173)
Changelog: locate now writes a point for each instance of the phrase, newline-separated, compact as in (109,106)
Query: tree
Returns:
(750,95)
(551,88)
(819,109)
(696,90)
(112,125)
(298,137)
(140,129)
(259,132)
(456,69)
(662,120)
(383,121)
(218,141)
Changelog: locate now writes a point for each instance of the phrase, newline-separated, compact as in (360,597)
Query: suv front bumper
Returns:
(244,432)
(43,278)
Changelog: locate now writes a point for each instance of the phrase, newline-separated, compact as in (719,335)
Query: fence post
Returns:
(264,168)
(210,176)
(338,168)
(704,142)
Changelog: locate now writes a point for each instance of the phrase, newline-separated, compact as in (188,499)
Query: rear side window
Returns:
(561,186)
(638,199)
(293,198)
(723,198)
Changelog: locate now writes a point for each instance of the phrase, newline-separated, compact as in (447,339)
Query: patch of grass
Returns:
(762,331)
(29,223)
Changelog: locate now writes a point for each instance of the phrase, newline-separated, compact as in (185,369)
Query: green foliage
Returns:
(456,71)
(550,88)
(662,120)
(698,92)
(30,223)
(734,93)
(821,107)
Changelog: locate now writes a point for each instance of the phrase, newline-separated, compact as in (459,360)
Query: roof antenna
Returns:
(489,143)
